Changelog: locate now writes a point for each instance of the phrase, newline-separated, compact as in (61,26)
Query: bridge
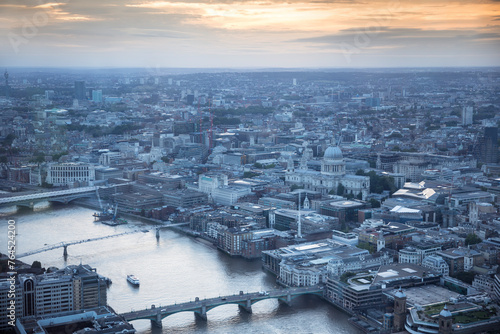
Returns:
(63,196)
(201,307)
(65,244)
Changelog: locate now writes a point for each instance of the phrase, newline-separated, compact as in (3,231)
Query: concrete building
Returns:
(80,90)
(467,113)
(97,96)
(102,320)
(345,211)
(66,174)
(354,293)
(72,288)
(436,263)
(184,198)
(417,252)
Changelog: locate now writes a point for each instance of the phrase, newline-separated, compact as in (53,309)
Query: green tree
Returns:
(295,187)
(345,276)
(359,196)
(374,203)
(250,175)
(47,185)
(472,239)
(340,189)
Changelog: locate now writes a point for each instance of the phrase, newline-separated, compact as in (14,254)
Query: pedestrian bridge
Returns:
(201,307)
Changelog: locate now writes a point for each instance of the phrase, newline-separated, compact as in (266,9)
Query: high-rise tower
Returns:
(80,93)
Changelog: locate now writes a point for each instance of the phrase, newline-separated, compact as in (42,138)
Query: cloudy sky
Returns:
(248,34)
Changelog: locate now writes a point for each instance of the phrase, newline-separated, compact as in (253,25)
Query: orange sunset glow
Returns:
(250,33)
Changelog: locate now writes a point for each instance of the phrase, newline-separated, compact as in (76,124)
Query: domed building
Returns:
(332,174)
(333,162)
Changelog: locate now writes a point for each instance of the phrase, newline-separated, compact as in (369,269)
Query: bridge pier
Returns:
(157,321)
(247,307)
(287,301)
(65,251)
(202,314)
(157,233)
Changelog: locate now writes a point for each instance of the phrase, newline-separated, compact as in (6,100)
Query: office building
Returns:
(489,145)
(68,173)
(80,90)
(97,96)
(467,115)
(75,287)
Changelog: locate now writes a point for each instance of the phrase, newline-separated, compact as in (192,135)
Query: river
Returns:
(174,268)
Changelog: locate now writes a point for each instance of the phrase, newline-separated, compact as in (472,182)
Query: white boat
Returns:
(132,279)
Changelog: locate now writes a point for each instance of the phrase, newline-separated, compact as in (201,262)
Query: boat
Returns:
(103,215)
(133,280)
(115,222)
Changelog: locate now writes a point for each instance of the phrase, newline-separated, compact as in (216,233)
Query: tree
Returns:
(374,203)
(345,276)
(340,189)
(36,265)
(47,185)
(472,239)
(359,196)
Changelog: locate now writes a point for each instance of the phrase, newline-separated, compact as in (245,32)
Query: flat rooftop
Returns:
(426,295)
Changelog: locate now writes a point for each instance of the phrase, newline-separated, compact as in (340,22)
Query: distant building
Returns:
(97,96)
(489,145)
(467,113)
(80,90)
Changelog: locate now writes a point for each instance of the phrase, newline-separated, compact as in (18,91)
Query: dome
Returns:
(445,313)
(400,293)
(333,153)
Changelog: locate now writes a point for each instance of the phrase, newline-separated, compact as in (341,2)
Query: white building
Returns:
(416,255)
(437,263)
(109,158)
(338,265)
(216,186)
(467,113)
(69,173)
(331,176)
(484,283)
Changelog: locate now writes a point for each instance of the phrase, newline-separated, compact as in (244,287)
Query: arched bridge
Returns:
(201,307)
(63,196)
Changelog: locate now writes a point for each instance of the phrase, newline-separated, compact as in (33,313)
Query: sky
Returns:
(249,34)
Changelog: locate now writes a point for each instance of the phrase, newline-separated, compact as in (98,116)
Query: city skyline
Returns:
(255,34)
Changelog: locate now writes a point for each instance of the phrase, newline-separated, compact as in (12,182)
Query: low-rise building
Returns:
(184,198)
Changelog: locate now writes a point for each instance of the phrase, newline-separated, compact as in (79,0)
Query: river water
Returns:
(174,268)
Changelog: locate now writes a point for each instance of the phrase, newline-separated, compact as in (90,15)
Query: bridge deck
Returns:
(195,306)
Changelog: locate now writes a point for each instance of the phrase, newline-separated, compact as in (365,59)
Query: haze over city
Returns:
(249,34)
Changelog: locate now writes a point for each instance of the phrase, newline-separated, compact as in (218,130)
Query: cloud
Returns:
(131,31)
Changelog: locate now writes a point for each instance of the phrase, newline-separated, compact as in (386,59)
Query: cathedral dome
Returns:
(333,153)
